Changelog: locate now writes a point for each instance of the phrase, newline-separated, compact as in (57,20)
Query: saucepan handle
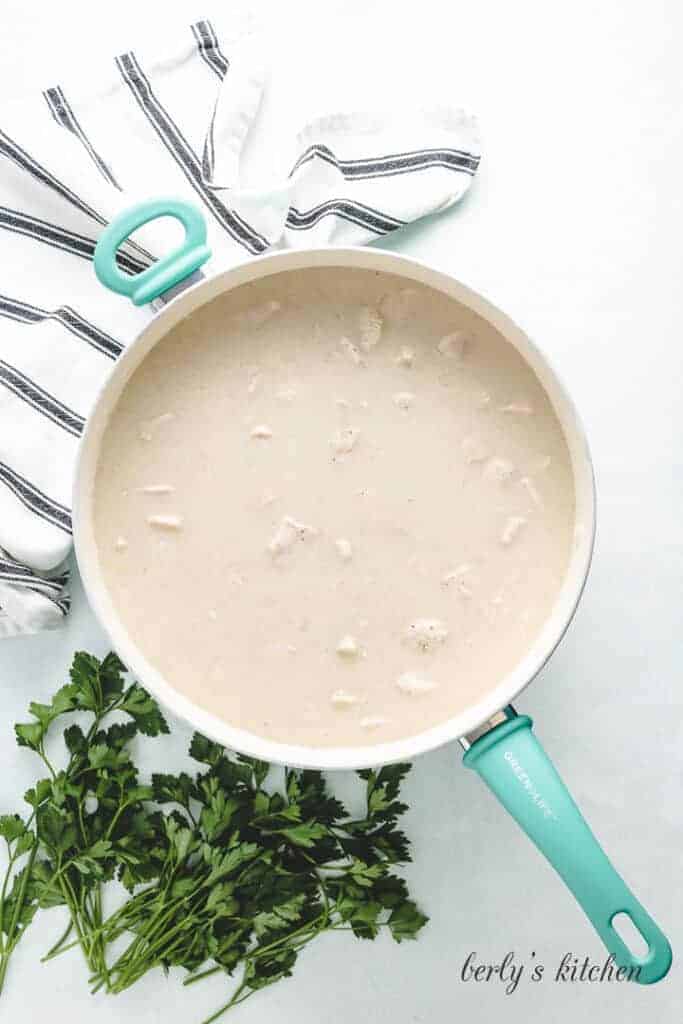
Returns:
(167,271)
(515,767)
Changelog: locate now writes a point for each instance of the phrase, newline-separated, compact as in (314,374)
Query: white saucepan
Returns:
(499,744)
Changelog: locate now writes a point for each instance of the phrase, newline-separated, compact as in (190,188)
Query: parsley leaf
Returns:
(144,711)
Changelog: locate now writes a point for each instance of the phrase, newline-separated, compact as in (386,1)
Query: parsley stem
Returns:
(70,900)
(57,951)
(41,754)
(3,894)
(116,817)
(148,951)
(57,948)
(238,996)
(142,949)
(97,959)
(12,937)
(190,980)
(260,951)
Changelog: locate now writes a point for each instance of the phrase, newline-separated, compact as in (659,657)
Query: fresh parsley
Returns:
(89,821)
(226,870)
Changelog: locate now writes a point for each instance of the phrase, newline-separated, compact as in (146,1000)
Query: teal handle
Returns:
(515,767)
(167,271)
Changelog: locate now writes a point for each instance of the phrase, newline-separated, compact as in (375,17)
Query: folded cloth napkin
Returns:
(171,123)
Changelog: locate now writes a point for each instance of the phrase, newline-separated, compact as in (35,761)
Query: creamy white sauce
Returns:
(329,505)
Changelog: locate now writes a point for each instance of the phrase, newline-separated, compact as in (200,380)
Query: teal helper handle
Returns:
(515,767)
(166,272)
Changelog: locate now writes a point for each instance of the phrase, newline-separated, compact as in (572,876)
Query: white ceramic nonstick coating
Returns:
(228,733)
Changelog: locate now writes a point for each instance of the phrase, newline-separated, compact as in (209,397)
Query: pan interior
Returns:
(333,508)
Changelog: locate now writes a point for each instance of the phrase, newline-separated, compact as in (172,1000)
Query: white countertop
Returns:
(574,227)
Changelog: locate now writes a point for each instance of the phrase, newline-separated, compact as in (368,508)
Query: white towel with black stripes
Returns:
(171,123)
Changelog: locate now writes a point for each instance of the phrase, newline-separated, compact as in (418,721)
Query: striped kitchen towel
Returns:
(169,123)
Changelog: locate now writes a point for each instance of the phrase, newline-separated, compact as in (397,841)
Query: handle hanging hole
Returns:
(629,933)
